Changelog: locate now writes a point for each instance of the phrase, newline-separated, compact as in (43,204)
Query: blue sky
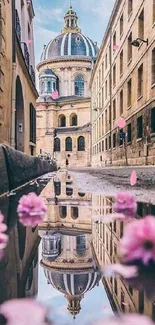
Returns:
(93,19)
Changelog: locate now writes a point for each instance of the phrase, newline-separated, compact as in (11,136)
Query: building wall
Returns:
(106,237)
(5,70)
(67,70)
(68,199)
(48,119)
(139,149)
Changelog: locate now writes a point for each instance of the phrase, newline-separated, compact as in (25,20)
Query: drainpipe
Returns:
(13,95)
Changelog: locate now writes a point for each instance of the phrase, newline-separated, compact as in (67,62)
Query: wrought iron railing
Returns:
(26,54)
(32,73)
(18,27)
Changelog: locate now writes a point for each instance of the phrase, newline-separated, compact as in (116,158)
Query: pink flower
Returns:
(23,312)
(129,319)
(3,237)
(125,203)
(138,241)
(31,209)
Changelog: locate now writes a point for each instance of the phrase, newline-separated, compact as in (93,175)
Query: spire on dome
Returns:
(71,21)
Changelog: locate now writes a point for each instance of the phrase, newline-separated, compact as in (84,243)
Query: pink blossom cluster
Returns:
(125,203)
(138,241)
(3,237)
(31,210)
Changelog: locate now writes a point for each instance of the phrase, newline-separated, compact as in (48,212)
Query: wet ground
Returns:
(59,263)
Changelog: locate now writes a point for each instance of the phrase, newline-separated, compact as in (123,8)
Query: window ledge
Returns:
(153,25)
(140,46)
(32,144)
(140,97)
(129,62)
(129,143)
(114,148)
(121,146)
(152,134)
(128,107)
(121,75)
(138,140)
(153,86)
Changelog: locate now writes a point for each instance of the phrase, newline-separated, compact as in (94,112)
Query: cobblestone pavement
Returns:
(108,181)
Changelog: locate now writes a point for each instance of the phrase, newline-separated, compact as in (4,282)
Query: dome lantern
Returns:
(71,22)
(47,82)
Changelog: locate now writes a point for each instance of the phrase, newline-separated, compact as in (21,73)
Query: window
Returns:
(121,25)
(130,7)
(107,246)
(106,61)
(139,127)
(109,142)
(57,188)
(153,66)
(121,229)
(153,11)
(106,144)
(79,86)
(56,144)
(115,226)
(114,109)
(121,63)
(131,290)
(102,96)
(129,92)
(49,86)
(114,75)
(106,117)
(129,47)
(63,211)
(102,145)
(114,40)
(115,285)
(153,120)
(69,190)
(129,136)
(121,137)
(81,144)
(122,300)
(32,124)
(74,120)
(68,144)
(62,121)
(106,89)
(114,140)
(121,102)
(81,244)
(102,71)
(141,302)
(141,25)
(140,81)
(74,212)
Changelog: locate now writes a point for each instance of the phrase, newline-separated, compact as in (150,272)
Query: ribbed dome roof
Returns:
(69,44)
(47,72)
(72,283)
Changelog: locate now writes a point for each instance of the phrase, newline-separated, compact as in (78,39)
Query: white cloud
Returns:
(46,15)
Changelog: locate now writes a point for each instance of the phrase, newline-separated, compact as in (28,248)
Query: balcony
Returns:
(17,26)
(32,74)
(26,54)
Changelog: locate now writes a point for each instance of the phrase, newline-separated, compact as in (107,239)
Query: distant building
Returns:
(65,70)
(18,92)
(123,85)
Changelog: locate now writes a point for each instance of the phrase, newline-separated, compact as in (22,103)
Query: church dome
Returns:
(74,284)
(71,42)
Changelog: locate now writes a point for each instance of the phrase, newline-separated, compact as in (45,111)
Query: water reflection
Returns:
(106,237)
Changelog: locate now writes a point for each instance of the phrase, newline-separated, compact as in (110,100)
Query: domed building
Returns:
(63,106)
(72,271)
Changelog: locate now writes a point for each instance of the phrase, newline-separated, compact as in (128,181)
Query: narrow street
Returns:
(110,181)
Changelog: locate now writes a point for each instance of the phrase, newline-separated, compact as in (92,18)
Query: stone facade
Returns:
(123,85)
(5,70)
(106,238)
(18,100)
(65,68)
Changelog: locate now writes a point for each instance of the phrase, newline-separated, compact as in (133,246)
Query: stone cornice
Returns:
(64,59)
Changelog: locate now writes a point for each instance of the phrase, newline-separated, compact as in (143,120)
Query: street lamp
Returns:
(137,42)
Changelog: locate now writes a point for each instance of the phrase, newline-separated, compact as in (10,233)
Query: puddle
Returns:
(59,262)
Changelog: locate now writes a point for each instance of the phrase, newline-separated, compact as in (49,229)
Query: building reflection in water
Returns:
(67,255)
(106,237)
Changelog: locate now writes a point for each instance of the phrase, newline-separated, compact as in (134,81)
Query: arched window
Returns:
(74,212)
(63,211)
(69,144)
(73,120)
(57,188)
(81,194)
(79,86)
(81,144)
(54,86)
(69,190)
(56,144)
(49,86)
(81,244)
(62,120)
